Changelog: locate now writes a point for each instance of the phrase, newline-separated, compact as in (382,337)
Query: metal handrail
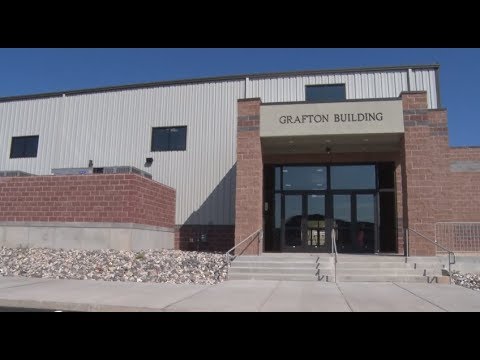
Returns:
(436,244)
(334,251)
(228,255)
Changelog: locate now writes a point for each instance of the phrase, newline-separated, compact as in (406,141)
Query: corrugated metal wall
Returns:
(114,128)
(364,85)
(424,79)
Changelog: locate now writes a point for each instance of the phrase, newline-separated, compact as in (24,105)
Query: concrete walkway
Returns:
(234,295)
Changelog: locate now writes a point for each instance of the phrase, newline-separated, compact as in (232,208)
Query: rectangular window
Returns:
(24,147)
(169,138)
(345,177)
(304,177)
(325,93)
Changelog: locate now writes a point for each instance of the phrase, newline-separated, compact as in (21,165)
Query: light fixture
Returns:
(90,163)
(328,150)
(148,161)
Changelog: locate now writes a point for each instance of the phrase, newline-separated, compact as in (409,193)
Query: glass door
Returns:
(354,217)
(342,221)
(292,222)
(304,222)
(365,223)
(315,223)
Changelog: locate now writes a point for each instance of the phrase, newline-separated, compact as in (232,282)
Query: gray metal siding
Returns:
(424,79)
(114,128)
(369,85)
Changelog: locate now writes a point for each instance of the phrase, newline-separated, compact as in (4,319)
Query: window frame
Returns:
(23,156)
(169,147)
(327,85)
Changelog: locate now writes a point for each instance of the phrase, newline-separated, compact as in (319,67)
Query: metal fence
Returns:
(458,236)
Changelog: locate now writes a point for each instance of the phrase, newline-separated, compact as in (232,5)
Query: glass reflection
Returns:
(293,220)
(342,214)
(352,177)
(304,178)
(316,220)
(364,238)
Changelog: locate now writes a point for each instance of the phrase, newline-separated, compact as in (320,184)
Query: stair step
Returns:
(369,261)
(283,258)
(262,270)
(386,272)
(430,259)
(388,278)
(274,276)
(244,264)
(373,265)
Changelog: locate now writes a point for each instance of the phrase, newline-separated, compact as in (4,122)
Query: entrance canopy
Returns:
(352,126)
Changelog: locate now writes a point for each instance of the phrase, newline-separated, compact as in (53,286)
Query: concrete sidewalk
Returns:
(239,295)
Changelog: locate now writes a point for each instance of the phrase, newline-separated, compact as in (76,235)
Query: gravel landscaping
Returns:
(163,266)
(471,281)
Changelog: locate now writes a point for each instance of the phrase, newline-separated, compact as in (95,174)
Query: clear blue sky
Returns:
(30,71)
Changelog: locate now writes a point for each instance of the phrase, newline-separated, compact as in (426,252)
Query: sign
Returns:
(356,117)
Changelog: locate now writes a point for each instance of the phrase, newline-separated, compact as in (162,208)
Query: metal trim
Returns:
(330,102)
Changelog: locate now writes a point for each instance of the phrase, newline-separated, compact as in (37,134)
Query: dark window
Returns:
(24,147)
(304,178)
(169,138)
(344,177)
(386,175)
(325,93)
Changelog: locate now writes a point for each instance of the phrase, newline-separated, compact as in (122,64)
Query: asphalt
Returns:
(33,294)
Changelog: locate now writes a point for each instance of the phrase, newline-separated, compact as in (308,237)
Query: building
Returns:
(362,151)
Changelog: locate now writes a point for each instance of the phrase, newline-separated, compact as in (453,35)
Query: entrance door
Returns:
(354,217)
(304,222)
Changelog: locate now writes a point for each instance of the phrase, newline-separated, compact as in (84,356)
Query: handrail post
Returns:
(449,268)
(450,253)
(407,242)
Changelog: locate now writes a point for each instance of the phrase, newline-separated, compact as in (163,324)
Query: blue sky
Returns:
(30,71)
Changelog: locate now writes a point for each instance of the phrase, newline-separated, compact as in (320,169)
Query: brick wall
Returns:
(219,238)
(433,191)
(120,198)
(463,187)
(249,185)
(426,144)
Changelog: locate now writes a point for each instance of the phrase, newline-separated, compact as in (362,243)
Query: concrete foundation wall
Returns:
(88,236)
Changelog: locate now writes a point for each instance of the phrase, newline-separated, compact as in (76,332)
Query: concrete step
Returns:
(387,272)
(281,264)
(283,258)
(381,278)
(276,276)
(297,255)
(429,259)
(263,270)
(373,265)
(389,278)
(370,258)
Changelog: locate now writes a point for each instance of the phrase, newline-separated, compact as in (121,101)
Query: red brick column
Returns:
(249,192)
(399,171)
(425,150)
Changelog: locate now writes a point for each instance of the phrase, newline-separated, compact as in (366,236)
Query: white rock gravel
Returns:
(163,266)
(471,281)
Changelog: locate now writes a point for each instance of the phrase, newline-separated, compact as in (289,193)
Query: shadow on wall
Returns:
(211,227)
